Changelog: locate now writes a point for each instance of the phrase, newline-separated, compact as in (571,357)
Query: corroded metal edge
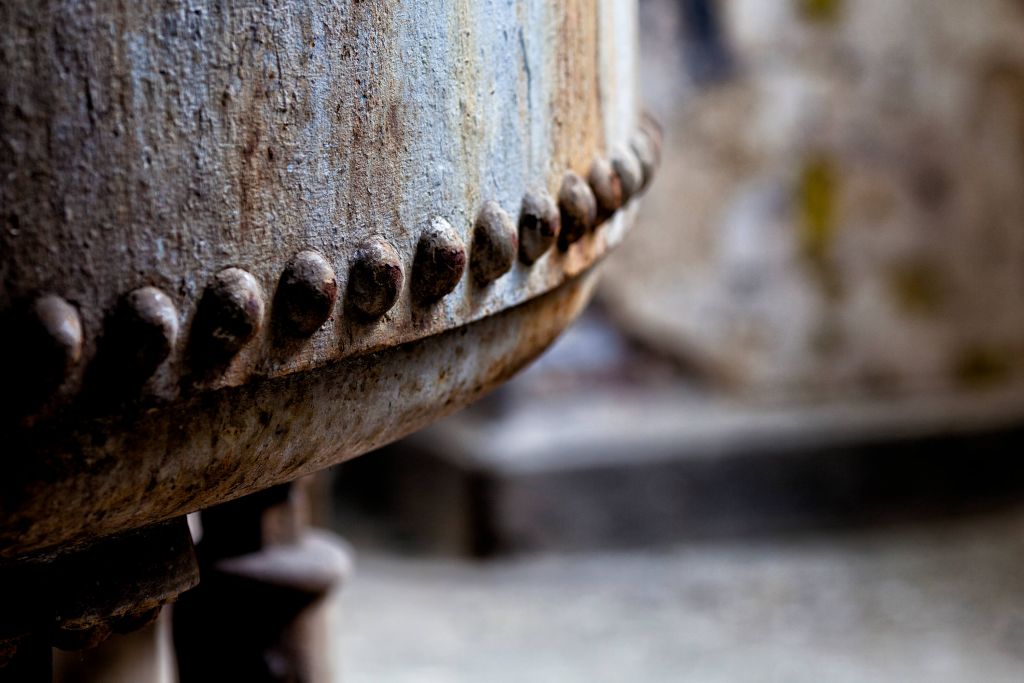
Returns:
(111,474)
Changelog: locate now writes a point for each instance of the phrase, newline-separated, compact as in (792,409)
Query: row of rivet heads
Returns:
(232,309)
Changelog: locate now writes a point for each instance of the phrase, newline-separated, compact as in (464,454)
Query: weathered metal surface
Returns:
(539,225)
(159,144)
(78,597)
(110,473)
(241,199)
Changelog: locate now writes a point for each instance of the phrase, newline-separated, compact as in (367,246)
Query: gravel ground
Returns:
(936,602)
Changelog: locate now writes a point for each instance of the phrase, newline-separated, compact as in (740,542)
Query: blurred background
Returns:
(784,443)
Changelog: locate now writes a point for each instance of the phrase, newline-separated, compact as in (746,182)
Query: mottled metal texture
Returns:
(197,148)
(106,474)
(158,143)
(78,597)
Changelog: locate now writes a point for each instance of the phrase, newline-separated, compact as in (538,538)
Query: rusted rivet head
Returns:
(643,147)
(306,293)
(539,224)
(439,263)
(495,243)
(650,125)
(577,207)
(606,186)
(52,341)
(230,313)
(627,168)
(375,279)
(146,330)
(646,144)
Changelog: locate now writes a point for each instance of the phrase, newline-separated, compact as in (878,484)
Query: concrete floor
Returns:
(942,601)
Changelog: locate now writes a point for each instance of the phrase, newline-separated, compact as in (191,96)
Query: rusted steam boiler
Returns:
(245,240)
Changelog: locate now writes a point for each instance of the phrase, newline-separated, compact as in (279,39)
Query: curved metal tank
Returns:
(241,243)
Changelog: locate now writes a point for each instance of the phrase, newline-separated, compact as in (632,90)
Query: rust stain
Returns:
(577,122)
(465,72)
(257,133)
(219,446)
(371,126)
(222,124)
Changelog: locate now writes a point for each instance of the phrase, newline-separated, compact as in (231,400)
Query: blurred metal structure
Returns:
(262,611)
(242,242)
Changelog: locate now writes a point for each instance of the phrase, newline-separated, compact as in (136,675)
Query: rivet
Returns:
(306,293)
(577,207)
(53,341)
(495,243)
(643,146)
(440,261)
(646,144)
(146,330)
(230,313)
(650,125)
(606,186)
(627,168)
(375,279)
(539,224)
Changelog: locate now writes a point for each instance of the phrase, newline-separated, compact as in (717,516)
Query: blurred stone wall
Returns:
(841,210)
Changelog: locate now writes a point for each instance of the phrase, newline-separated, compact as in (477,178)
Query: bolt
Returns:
(145,330)
(578,209)
(439,263)
(306,293)
(627,168)
(495,243)
(375,279)
(539,223)
(230,314)
(650,125)
(606,186)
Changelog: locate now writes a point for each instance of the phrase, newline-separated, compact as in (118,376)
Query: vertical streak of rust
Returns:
(465,72)
(575,105)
